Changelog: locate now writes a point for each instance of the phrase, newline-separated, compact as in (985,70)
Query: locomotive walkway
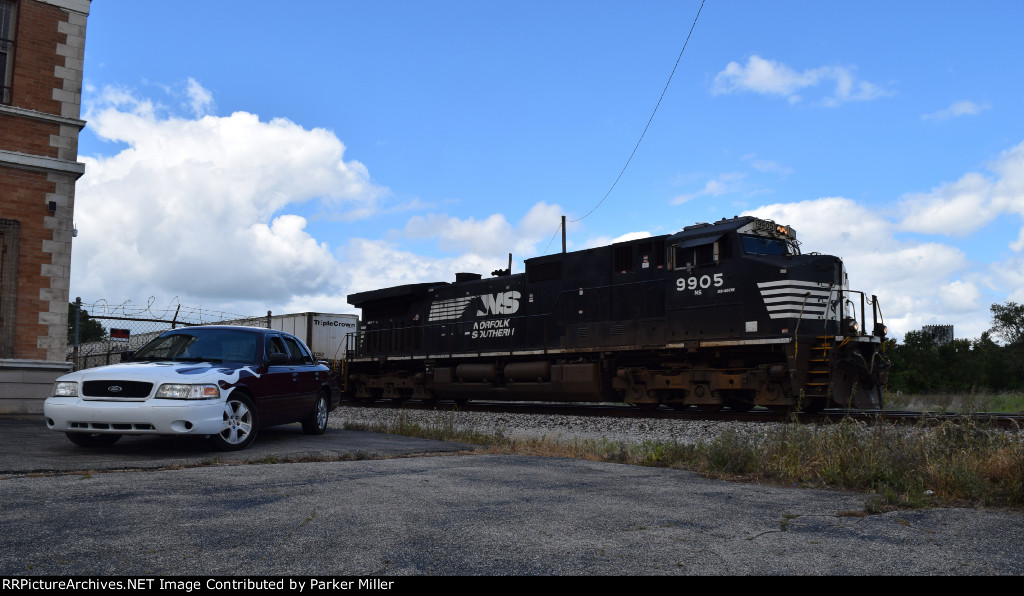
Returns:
(366,504)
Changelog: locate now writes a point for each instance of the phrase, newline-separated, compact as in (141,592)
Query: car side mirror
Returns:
(277,359)
(127,355)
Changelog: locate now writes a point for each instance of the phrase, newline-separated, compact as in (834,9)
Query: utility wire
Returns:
(644,133)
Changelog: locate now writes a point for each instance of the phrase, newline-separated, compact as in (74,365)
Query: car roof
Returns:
(262,330)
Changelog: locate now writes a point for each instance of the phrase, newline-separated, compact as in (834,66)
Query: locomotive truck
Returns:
(725,314)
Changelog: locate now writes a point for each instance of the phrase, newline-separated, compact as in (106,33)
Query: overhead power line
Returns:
(644,133)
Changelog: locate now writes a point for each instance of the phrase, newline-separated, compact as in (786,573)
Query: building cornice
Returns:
(41,163)
(43,116)
(81,6)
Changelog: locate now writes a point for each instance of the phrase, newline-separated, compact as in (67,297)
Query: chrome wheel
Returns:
(316,424)
(239,424)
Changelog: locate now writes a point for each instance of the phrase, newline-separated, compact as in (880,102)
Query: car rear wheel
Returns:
(240,424)
(93,439)
(316,424)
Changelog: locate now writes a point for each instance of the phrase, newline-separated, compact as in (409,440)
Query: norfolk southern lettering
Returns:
(493,328)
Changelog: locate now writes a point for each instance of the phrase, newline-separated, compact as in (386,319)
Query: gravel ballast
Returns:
(556,427)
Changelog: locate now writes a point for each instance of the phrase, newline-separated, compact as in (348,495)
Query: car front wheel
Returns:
(239,426)
(316,424)
(93,439)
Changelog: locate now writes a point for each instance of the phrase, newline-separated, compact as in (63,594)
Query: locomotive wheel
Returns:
(710,408)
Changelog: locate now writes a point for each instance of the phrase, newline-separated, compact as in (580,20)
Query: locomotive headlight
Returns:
(881,330)
(851,326)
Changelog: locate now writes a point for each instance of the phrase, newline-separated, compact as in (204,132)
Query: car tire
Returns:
(93,439)
(240,424)
(316,424)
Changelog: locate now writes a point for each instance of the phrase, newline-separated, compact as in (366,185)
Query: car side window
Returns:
(298,354)
(275,346)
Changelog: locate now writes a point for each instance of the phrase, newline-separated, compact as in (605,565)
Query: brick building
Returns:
(42,45)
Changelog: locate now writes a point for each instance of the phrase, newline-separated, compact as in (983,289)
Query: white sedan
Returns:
(220,382)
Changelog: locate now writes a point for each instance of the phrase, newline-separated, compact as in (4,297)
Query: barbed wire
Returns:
(172,312)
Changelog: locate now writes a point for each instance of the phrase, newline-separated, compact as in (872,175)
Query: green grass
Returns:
(1012,402)
(959,462)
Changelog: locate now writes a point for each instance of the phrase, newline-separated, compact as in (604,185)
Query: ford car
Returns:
(219,382)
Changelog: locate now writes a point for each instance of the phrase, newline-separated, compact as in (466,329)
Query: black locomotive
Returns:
(723,314)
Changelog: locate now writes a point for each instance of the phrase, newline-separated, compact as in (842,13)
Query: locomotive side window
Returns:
(651,254)
(623,259)
(697,253)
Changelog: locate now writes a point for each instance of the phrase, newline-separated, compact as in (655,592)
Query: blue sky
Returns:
(254,155)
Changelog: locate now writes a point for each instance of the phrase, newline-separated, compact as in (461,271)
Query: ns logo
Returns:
(502,303)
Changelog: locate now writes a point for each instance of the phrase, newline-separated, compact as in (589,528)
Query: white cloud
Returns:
(770,167)
(606,240)
(964,206)
(205,209)
(491,237)
(200,99)
(960,296)
(769,77)
(958,108)
(724,183)
(200,207)
(917,283)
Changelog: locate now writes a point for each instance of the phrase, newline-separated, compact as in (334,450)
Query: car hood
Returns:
(166,372)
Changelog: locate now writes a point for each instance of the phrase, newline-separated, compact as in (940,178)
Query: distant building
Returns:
(941,334)
(42,50)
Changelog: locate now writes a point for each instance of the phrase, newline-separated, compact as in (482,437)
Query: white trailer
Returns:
(324,333)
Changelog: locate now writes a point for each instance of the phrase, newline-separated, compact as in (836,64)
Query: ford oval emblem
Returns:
(114,389)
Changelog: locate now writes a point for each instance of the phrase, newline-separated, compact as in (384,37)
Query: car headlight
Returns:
(65,389)
(185,391)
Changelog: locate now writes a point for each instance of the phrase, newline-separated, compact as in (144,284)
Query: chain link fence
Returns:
(100,332)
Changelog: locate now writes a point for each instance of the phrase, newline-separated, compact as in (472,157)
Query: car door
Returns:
(277,385)
(305,375)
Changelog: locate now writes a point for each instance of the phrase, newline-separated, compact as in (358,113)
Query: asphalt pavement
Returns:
(366,504)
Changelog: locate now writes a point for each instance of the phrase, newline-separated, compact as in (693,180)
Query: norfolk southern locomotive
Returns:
(724,314)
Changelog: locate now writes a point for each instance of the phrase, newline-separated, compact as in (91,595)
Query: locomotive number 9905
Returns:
(699,283)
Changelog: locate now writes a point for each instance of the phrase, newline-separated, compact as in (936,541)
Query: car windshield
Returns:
(760,245)
(203,345)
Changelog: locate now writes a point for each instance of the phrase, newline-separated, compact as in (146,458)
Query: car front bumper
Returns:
(149,417)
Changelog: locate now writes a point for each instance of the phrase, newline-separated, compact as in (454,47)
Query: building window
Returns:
(7,14)
(10,232)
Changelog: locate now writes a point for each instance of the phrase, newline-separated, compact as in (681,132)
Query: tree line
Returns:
(922,365)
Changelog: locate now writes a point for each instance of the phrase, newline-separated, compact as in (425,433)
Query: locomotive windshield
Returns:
(760,245)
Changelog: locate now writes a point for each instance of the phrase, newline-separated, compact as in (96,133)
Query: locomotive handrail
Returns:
(876,309)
